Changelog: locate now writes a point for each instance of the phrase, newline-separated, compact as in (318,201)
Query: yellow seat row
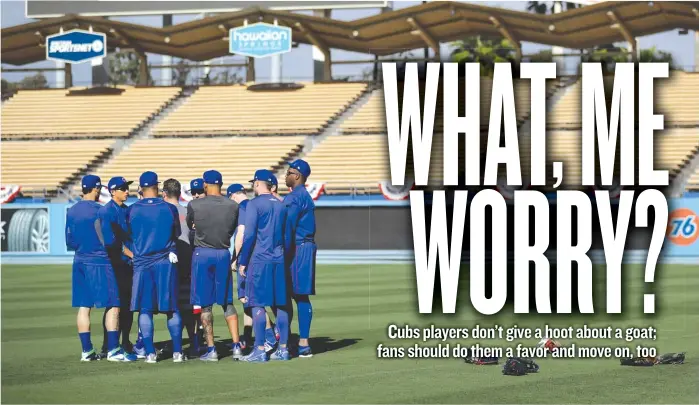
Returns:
(40,166)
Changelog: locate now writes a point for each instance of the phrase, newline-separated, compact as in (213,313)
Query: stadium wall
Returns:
(367,232)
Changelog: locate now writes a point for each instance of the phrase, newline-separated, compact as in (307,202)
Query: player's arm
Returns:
(190,216)
(238,243)
(248,237)
(293,212)
(71,242)
(239,239)
(103,226)
(176,229)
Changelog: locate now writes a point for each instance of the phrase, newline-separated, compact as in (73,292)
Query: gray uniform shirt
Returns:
(182,212)
(214,218)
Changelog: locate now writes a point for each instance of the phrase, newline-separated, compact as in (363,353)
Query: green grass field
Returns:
(354,306)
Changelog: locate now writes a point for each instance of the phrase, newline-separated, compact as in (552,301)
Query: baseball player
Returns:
(94,281)
(300,247)
(262,257)
(214,219)
(154,227)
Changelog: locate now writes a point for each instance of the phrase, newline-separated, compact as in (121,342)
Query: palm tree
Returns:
(485,51)
(541,7)
(653,55)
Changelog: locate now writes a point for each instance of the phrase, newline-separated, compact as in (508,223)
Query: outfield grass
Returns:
(354,305)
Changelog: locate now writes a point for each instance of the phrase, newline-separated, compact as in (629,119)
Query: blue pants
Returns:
(212,282)
(303,269)
(265,284)
(94,285)
(155,287)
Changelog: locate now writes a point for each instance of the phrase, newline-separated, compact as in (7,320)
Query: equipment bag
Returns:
(519,366)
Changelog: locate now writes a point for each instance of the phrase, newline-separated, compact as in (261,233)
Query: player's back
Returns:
(81,232)
(154,226)
(215,218)
(269,215)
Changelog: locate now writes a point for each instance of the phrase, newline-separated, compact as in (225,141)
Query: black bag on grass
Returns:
(519,366)
(671,358)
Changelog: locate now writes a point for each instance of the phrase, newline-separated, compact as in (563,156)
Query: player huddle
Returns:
(156,257)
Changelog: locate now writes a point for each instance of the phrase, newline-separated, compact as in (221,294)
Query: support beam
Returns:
(426,36)
(322,47)
(250,70)
(508,34)
(628,36)
(142,69)
(126,39)
(68,75)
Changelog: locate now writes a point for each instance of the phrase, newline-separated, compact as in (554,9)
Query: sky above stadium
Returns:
(298,64)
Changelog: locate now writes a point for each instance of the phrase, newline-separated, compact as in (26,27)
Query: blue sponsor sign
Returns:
(76,46)
(259,40)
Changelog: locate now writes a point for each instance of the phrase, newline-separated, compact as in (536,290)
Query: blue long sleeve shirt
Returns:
(301,220)
(154,227)
(114,229)
(82,222)
(264,231)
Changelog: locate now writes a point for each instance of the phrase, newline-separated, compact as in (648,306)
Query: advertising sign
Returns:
(25,230)
(259,40)
(76,46)
(682,236)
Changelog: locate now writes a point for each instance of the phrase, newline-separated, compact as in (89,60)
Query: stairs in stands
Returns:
(566,84)
(678,183)
(140,132)
(332,129)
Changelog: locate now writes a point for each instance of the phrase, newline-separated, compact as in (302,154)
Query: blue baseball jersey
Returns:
(264,231)
(154,226)
(301,219)
(81,230)
(114,228)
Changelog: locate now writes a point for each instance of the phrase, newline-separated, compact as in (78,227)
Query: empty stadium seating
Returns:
(371,117)
(693,182)
(185,159)
(40,166)
(673,148)
(54,114)
(358,163)
(230,110)
(675,98)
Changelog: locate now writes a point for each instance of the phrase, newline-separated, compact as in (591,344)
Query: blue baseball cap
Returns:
(264,175)
(148,179)
(197,184)
(302,166)
(91,181)
(213,177)
(234,188)
(116,182)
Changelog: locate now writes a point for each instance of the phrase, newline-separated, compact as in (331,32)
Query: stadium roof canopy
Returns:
(383,34)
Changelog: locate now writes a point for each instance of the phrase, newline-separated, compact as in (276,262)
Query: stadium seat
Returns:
(371,117)
(185,159)
(693,182)
(675,98)
(673,148)
(358,163)
(41,114)
(41,166)
(234,110)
